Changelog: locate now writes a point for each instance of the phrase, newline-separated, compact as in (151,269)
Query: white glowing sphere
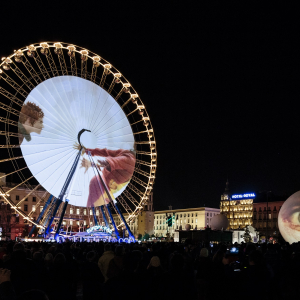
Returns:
(218,222)
(289,219)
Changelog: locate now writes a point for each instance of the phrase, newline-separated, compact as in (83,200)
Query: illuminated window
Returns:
(71,222)
(77,222)
(33,207)
(71,210)
(91,212)
(84,222)
(91,223)
(196,220)
(97,212)
(64,223)
(41,208)
(77,211)
(84,211)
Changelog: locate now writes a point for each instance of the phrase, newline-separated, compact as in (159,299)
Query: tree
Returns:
(146,236)
(247,237)
(140,236)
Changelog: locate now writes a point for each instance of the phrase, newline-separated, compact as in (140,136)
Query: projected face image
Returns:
(289,219)
(51,118)
(30,120)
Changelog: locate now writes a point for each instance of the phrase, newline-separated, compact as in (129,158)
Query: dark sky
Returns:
(220,82)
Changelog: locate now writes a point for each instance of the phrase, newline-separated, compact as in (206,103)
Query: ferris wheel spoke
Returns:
(41,66)
(110,117)
(21,75)
(72,55)
(47,107)
(134,189)
(59,92)
(84,59)
(144,131)
(50,59)
(114,81)
(139,181)
(60,54)
(11,97)
(9,109)
(31,70)
(10,159)
(9,133)
(106,71)
(96,64)
(9,146)
(125,205)
(8,121)
(13,84)
(114,129)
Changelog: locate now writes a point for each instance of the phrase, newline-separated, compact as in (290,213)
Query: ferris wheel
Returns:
(74,125)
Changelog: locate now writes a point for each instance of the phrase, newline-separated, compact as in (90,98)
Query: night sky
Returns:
(219,81)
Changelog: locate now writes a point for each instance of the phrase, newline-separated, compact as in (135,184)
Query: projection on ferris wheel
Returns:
(64,114)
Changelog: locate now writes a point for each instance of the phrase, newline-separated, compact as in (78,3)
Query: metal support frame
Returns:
(61,218)
(94,215)
(104,216)
(112,221)
(57,204)
(125,223)
(40,215)
(64,189)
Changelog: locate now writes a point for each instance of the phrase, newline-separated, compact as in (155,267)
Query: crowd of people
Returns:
(41,271)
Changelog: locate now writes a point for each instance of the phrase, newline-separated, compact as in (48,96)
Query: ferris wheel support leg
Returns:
(125,223)
(94,215)
(41,215)
(61,219)
(104,216)
(64,190)
(57,205)
(112,221)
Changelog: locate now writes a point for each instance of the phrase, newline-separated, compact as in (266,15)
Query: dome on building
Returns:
(218,222)
(289,220)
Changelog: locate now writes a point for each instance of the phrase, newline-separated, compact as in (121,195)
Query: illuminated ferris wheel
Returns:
(75,126)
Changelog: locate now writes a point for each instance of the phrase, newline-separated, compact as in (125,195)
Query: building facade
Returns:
(265,218)
(237,208)
(198,218)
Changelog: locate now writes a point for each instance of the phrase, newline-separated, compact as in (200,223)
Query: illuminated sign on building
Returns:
(243,196)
